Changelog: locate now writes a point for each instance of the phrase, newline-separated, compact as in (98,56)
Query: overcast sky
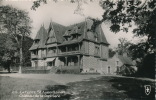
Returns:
(62,12)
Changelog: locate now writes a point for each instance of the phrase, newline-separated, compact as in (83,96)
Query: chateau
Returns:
(77,47)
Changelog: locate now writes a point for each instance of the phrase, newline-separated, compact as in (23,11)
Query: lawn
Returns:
(96,88)
(11,88)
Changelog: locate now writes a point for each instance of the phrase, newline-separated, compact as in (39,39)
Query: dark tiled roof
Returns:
(56,33)
(41,36)
(101,36)
(71,42)
(125,60)
(59,31)
(33,47)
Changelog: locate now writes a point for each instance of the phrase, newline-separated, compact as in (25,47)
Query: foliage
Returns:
(123,13)
(148,68)
(27,43)
(15,23)
(123,46)
(9,50)
(78,9)
(111,53)
(138,50)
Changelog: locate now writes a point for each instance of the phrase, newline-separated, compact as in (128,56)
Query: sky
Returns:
(62,12)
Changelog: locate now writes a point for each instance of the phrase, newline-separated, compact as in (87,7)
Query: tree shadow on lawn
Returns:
(134,88)
(89,89)
(1,72)
(102,88)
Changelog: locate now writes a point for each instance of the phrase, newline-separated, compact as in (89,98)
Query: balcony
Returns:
(43,55)
(51,54)
(69,53)
(34,56)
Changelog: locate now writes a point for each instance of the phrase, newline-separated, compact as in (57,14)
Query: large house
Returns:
(76,47)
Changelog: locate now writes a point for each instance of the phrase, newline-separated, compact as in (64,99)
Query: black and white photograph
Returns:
(77,49)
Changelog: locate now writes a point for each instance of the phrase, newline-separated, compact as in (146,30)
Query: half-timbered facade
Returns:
(76,46)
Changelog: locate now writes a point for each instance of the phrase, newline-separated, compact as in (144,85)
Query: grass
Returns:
(10,88)
(99,88)
(105,88)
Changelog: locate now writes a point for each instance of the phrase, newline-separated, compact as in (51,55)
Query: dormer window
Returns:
(67,35)
(76,32)
(36,41)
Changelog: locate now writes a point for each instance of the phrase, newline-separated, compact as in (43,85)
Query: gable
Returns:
(56,33)
(41,38)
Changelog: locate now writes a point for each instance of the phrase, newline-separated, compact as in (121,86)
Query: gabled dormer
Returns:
(67,35)
(55,33)
(76,32)
(51,35)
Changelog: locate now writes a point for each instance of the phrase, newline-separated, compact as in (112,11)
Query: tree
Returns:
(6,50)
(123,46)
(123,13)
(111,53)
(9,51)
(17,23)
(27,43)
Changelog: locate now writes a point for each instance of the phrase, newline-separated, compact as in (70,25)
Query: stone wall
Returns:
(91,48)
(112,62)
(90,64)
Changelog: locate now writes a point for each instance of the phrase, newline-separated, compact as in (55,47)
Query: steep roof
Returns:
(56,30)
(125,60)
(101,36)
(84,29)
(70,31)
(41,37)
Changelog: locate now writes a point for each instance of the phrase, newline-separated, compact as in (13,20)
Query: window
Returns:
(97,50)
(118,69)
(117,62)
(35,52)
(96,39)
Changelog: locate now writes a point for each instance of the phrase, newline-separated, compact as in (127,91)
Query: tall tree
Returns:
(9,51)
(123,46)
(17,23)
